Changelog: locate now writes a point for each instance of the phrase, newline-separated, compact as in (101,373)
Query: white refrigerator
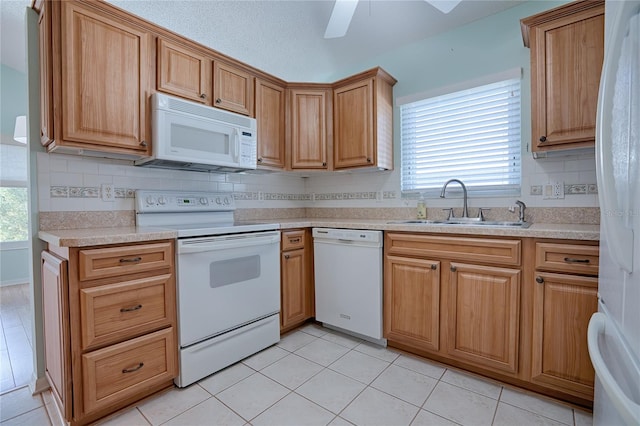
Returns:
(614,331)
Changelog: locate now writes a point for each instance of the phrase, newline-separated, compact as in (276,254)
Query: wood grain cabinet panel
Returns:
(563,305)
(363,121)
(232,88)
(117,311)
(105,80)
(45,54)
(128,368)
(109,326)
(412,302)
(271,118)
(309,139)
(484,315)
(183,72)
(567,51)
(115,261)
(55,315)
(297,293)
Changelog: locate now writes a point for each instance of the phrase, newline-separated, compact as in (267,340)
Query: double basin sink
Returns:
(501,224)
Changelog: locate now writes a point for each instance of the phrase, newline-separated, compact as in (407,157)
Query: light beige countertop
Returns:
(121,235)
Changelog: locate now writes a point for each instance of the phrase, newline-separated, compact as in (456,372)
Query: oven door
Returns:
(225,282)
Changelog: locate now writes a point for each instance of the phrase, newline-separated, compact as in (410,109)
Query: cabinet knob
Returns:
(260,160)
(368,160)
(434,266)
(324,164)
(453,268)
(218,101)
(203,96)
(286,256)
(143,143)
(543,138)
(539,280)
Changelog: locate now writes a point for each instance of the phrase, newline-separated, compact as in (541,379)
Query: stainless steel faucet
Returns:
(465,211)
(522,207)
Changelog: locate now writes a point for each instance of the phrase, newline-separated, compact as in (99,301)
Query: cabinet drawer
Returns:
(292,240)
(125,370)
(114,261)
(571,258)
(115,312)
(487,250)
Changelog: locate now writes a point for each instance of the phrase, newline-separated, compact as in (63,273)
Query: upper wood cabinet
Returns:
(567,50)
(232,88)
(271,118)
(45,53)
(309,117)
(363,121)
(183,72)
(104,71)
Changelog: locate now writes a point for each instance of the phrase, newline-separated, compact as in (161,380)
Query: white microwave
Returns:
(189,136)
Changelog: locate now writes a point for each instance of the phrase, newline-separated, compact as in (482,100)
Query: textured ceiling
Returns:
(284,38)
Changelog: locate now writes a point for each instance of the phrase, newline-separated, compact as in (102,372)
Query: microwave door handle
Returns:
(236,145)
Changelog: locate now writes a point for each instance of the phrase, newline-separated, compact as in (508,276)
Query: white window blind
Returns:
(472,135)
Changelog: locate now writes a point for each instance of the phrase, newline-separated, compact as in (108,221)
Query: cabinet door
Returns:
(294,289)
(270,114)
(483,318)
(232,88)
(55,320)
(567,57)
(105,69)
(562,307)
(45,52)
(412,302)
(183,72)
(354,125)
(309,129)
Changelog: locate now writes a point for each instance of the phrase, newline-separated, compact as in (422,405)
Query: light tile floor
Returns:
(316,376)
(16,352)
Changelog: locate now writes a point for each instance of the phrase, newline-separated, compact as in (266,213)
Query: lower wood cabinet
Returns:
(297,291)
(110,325)
(563,301)
(515,309)
(412,301)
(484,315)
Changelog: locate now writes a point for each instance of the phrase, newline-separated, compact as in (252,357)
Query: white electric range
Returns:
(228,278)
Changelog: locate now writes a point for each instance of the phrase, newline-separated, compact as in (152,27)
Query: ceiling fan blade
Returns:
(340,18)
(444,6)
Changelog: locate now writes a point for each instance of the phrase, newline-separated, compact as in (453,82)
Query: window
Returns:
(472,135)
(13,193)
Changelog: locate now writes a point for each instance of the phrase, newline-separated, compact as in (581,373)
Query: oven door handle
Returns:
(215,244)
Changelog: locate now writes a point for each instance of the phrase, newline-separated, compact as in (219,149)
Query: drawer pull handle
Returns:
(131,260)
(571,260)
(135,308)
(133,369)
(294,240)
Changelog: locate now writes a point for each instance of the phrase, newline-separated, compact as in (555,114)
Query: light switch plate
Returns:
(553,191)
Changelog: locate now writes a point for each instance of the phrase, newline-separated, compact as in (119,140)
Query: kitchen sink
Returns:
(505,224)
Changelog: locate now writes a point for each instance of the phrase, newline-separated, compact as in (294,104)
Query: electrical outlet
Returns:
(108,192)
(553,191)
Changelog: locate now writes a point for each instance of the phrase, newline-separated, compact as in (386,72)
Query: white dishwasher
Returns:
(348,280)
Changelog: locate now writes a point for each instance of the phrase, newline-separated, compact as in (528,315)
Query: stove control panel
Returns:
(183,201)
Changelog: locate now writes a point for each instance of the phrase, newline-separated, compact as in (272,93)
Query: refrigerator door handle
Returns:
(629,409)
(620,236)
